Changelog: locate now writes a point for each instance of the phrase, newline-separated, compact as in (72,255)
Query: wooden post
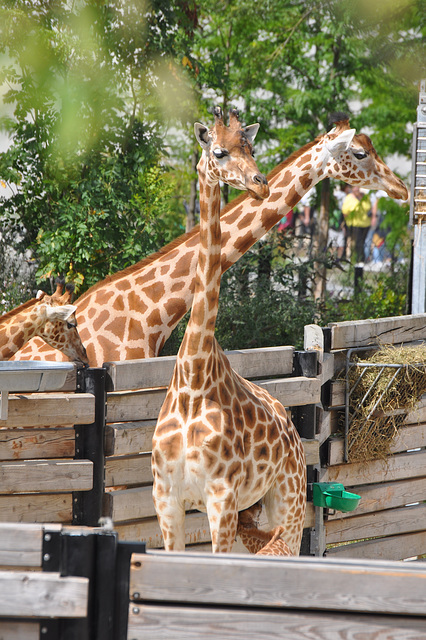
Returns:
(89,445)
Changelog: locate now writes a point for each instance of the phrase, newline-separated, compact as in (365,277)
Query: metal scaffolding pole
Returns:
(418,206)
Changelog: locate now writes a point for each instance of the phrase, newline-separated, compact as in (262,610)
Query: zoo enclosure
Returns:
(70,457)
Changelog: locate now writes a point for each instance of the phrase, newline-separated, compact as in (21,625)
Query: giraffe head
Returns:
(58,327)
(228,154)
(352,158)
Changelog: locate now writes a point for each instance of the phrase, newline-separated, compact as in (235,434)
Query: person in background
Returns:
(356,209)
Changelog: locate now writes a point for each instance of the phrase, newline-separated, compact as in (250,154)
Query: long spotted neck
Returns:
(16,331)
(201,326)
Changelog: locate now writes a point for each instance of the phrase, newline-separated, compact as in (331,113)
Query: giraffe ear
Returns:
(340,143)
(251,131)
(202,134)
(60,313)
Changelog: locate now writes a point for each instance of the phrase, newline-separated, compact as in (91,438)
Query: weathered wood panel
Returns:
(398,467)
(42,595)
(301,583)
(400,547)
(136,503)
(45,476)
(215,623)
(19,630)
(157,372)
(363,333)
(129,470)
(337,393)
(408,437)
(327,423)
(381,523)
(196,530)
(125,438)
(37,443)
(38,507)
(20,546)
(386,495)
(145,404)
(44,409)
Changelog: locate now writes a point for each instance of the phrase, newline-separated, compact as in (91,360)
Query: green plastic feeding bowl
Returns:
(332,495)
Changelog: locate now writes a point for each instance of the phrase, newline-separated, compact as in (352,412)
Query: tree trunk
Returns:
(320,242)
(190,214)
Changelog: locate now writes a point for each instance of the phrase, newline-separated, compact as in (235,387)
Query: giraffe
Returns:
(51,318)
(262,543)
(131,314)
(221,442)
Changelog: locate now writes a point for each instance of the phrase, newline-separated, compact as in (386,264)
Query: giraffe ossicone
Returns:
(221,443)
(132,313)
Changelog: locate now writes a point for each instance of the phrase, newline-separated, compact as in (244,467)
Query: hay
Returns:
(379,404)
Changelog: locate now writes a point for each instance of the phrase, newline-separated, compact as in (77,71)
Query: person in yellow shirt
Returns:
(356,209)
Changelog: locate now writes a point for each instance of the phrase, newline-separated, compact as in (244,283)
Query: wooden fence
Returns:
(62,583)
(62,461)
(390,521)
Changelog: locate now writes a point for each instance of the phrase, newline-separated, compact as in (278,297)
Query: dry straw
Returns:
(379,403)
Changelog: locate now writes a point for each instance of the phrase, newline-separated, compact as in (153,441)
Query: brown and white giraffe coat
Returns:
(257,541)
(132,313)
(51,318)
(221,443)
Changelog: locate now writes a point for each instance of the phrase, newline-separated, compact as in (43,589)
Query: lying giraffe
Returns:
(51,318)
(262,543)
(221,442)
(132,313)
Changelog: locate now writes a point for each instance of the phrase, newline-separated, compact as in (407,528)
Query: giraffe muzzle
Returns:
(259,187)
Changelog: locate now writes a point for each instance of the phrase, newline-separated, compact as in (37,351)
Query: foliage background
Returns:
(99,100)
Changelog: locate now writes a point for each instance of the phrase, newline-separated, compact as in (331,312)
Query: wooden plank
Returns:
(408,545)
(44,409)
(313,340)
(196,527)
(301,583)
(369,525)
(398,467)
(408,437)
(128,470)
(146,404)
(125,438)
(20,546)
(157,372)
(45,475)
(38,507)
(37,443)
(326,368)
(196,530)
(311,448)
(418,414)
(387,495)
(327,423)
(337,393)
(42,595)
(363,333)
(18,630)
(192,623)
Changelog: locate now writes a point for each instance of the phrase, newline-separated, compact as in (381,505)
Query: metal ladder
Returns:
(418,205)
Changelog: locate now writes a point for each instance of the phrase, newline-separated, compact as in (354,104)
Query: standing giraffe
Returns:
(262,543)
(221,442)
(132,313)
(51,318)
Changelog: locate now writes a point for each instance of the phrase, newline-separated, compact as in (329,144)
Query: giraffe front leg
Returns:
(171,518)
(285,504)
(223,518)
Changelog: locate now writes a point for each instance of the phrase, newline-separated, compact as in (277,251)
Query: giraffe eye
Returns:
(220,153)
(71,326)
(359,155)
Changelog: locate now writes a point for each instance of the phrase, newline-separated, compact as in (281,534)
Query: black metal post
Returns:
(304,418)
(122,582)
(89,445)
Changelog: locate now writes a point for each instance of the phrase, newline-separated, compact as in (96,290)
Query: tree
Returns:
(85,81)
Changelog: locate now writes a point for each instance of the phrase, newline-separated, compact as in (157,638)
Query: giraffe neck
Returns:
(16,330)
(201,326)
